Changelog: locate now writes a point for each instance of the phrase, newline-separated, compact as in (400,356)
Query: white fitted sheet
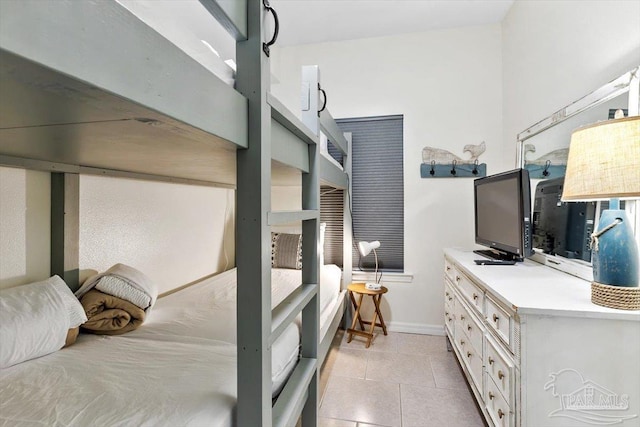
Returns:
(123,381)
(179,368)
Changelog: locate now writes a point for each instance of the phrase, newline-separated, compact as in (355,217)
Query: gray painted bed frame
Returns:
(70,105)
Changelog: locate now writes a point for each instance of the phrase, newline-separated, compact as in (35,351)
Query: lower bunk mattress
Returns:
(179,368)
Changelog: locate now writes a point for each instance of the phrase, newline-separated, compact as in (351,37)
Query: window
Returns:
(378,188)
(331,213)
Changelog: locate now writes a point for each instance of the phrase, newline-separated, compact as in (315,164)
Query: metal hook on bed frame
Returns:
(276,30)
(324,104)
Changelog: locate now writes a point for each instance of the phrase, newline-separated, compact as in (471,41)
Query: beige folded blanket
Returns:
(109,315)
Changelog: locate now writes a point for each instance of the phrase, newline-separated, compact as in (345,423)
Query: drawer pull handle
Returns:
(450,298)
(495,318)
(446,313)
(490,361)
(457,278)
(469,354)
(449,319)
(500,413)
(468,327)
(461,342)
(475,296)
(446,293)
(461,317)
(448,268)
(500,375)
(491,396)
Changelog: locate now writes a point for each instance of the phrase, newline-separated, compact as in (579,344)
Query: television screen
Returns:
(503,214)
(561,228)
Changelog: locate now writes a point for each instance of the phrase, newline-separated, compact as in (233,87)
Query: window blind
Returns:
(331,211)
(377,188)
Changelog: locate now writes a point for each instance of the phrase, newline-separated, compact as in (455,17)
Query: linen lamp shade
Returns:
(604,161)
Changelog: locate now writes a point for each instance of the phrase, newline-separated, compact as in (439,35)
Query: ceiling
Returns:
(317,21)
(188,25)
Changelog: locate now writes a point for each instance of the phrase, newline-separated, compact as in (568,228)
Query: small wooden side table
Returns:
(376,296)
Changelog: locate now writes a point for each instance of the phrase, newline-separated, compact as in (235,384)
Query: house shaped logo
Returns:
(585,400)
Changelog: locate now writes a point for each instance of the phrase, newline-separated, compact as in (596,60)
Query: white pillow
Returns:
(35,319)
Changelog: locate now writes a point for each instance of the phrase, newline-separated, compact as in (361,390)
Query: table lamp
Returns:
(604,163)
(365,249)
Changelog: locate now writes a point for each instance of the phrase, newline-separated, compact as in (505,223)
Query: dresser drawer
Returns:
(473,294)
(471,359)
(449,321)
(472,329)
(500,369)
(449,310)
(449,270)
(448,293)
(497,407)
(499,320)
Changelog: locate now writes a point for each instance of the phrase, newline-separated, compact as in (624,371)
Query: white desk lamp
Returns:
(365,249)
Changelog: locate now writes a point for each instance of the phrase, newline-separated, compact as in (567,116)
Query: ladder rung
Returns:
(294,394)
(284,217)
(289,308)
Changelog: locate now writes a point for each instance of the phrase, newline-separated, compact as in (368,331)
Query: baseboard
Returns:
(415,328)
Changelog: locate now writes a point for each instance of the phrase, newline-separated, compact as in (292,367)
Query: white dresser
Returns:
(535,350)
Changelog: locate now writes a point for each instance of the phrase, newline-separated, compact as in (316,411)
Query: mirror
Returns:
(543,148)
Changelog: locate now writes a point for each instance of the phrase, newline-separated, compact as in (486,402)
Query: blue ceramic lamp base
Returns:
(615,253)
(615,263)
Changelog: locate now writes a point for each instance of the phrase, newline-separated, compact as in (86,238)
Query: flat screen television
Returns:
(503,215)
(561,228)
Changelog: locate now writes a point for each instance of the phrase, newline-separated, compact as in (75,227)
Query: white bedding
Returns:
(218,295)
(179,368)
(150,383)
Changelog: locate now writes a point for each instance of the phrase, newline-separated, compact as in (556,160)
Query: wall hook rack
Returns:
(439,163)
(453,170)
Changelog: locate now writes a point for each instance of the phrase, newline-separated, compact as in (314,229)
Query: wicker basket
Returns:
(619,297)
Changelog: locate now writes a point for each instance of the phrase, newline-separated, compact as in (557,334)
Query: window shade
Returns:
(377,188)
(331,212)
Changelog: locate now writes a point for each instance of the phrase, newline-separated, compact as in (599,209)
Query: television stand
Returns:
(499,256)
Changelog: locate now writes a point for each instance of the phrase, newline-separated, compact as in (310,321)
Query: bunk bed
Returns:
(70,105)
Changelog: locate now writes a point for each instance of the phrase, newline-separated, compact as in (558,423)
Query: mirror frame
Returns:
(629,82)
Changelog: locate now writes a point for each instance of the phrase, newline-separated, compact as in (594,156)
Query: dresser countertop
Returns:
(532,288)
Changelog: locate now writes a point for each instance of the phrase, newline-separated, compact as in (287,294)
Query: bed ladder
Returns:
(258,325)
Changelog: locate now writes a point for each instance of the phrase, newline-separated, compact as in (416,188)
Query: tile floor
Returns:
(402,380)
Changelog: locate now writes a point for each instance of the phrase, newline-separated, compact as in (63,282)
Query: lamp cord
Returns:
(594,236)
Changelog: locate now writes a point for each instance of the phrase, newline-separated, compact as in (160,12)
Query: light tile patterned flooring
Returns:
(402,380)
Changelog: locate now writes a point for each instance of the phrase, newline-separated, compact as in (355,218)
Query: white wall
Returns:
(555,52)
(447,84)
(286,198)
(25,236)
(171,232)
